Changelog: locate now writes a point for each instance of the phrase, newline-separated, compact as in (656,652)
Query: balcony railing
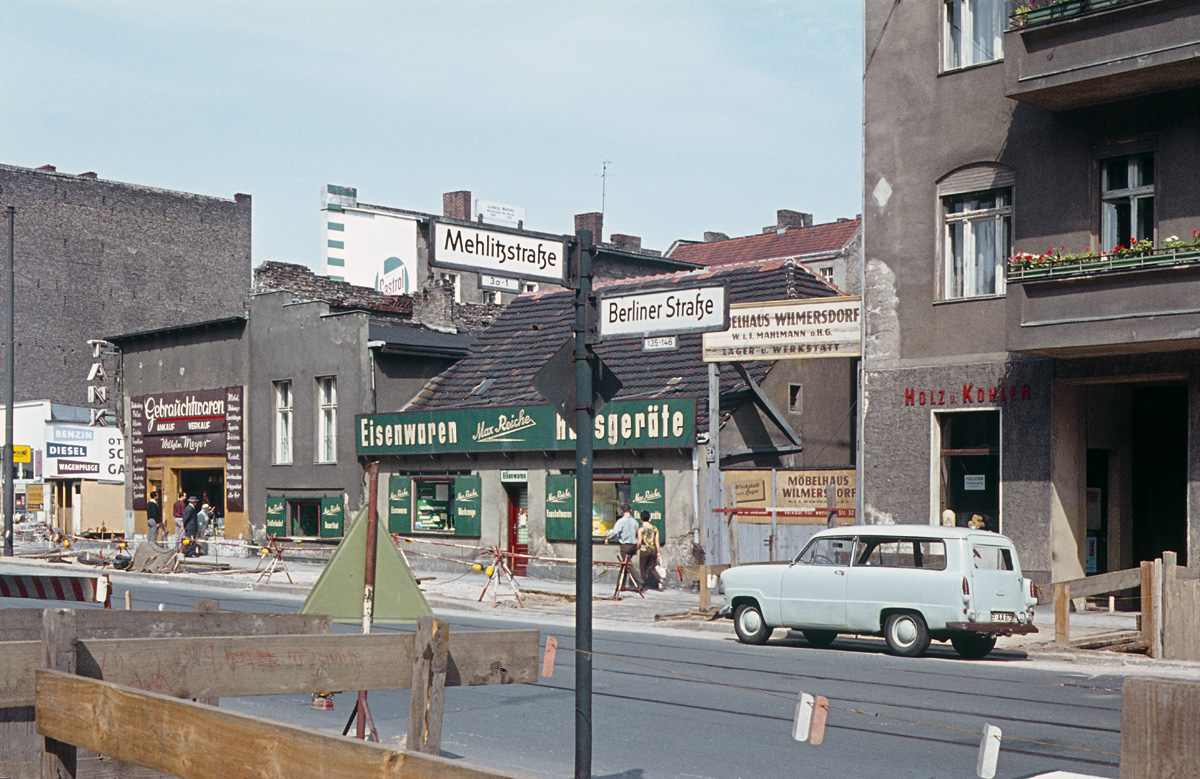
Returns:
(1030,12)
(1054,264)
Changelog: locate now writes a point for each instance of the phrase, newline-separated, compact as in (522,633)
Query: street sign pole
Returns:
(585,414)
(10,343)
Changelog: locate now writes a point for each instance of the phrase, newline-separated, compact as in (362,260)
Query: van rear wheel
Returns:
(906,634)
(973,645)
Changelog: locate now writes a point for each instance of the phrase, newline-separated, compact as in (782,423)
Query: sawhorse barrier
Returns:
(76,589)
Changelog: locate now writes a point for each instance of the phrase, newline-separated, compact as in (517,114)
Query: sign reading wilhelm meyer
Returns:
(541,258)
(683,309)
(815,327)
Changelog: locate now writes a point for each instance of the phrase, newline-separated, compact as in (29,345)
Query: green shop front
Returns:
(303,514)
(458,483)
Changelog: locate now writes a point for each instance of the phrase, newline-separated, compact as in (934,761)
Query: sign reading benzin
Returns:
(524,255)
(786,329)
(684,309)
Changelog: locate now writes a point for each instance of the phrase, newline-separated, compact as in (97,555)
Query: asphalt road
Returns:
(671,703)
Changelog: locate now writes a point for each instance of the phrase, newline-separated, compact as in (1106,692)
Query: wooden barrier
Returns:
(25,624)
(1159,735)
(230,666)
(180,738)
(1180,629)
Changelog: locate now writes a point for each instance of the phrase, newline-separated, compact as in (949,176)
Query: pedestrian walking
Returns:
(153,518)
(178,509)
(648,552)
(626,533)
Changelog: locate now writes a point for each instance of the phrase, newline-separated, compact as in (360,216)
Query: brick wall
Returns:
(98,258)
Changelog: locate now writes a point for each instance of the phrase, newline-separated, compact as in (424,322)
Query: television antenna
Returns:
(603,183)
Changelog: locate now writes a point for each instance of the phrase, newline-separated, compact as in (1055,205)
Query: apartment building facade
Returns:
(1032,273)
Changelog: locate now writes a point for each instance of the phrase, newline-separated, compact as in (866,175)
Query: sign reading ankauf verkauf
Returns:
(789,329)
(502,252)
(681,309)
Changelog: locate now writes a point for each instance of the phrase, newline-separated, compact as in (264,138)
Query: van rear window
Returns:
(901,553)
(991,558)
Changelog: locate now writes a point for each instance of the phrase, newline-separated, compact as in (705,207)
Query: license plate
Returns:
(1003,616)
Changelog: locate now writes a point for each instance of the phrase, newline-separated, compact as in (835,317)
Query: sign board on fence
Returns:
(788,329)
(683,309)
(503,252)
(799,497)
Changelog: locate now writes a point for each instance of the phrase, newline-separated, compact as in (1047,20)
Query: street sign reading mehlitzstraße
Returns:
(502,252)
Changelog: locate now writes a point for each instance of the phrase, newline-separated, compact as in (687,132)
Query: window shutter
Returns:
(560,507)
(276,516)
(400,504)
(976,178)
(467,506)
(331,517)
(648,492)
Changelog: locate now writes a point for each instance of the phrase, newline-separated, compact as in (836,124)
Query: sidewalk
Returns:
(670,608)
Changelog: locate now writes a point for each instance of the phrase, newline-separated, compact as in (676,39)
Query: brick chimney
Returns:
(785,219)
(710,236)
(48,169)
(91,174)
(594,221)
(457,205)
(627,243)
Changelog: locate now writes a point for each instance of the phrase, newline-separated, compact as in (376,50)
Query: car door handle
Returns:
(839,572)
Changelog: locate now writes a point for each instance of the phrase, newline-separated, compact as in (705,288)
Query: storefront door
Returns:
(1159,488)
(518,526)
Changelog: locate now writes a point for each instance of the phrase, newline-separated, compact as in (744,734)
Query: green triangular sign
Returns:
(339,590)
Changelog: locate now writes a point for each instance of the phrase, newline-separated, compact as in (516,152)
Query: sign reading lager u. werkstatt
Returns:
(788,329)
(624,424)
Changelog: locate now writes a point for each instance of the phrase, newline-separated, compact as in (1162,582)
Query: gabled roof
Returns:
(792,242)
(533,327)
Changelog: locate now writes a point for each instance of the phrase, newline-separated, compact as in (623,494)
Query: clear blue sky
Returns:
(712,114)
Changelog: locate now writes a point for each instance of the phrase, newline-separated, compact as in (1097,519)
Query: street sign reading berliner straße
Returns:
(503,252)
(682,309)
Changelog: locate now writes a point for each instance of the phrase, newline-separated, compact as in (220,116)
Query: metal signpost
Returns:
(10,347)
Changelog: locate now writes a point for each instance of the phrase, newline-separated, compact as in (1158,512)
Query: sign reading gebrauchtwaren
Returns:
(788,329)
(684,309)
(506,253)
(622,424)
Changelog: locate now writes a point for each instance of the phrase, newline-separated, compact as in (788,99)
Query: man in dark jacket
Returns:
(153,518)
(191,525)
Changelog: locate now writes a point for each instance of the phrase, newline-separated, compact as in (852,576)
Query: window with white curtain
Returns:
(974,32)
(327,419)
(283,422)
(1127,200)
(977,243)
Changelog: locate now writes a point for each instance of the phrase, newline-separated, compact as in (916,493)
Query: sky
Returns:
(709,115)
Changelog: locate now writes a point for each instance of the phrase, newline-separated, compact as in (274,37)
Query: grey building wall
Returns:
(96,257)
(299,342)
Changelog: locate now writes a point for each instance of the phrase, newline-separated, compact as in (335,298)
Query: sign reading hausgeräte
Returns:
(623,424)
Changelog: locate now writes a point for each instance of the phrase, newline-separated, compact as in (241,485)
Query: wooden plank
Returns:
(1180,613)
(193,741)
(427,700)
(1062,615)
(25,624)
(1159,737)
(1147,598)
(1103,583)
(225,666)
(207,606)
(59,758)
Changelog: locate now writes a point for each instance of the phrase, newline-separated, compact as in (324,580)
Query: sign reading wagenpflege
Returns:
(497,251)
(626,424)
(789,329)
(663,312)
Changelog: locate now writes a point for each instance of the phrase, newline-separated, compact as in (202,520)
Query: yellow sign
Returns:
(22,454)
(33,497)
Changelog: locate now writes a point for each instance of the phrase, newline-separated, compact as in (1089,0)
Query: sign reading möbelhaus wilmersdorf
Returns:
(524,255)
(814,327)
(622,424)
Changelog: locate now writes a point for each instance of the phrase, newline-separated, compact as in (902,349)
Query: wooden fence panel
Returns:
(193,741)
(1159,736)
(25,624)
(224,667)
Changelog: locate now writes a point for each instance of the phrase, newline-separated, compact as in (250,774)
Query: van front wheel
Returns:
(906,635)
(972,645)
(749,625)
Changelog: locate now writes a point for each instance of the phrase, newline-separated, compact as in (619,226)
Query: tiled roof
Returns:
(793,242)
(533,327)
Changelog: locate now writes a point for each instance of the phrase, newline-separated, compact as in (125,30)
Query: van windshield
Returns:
(827,551)
(886,552)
